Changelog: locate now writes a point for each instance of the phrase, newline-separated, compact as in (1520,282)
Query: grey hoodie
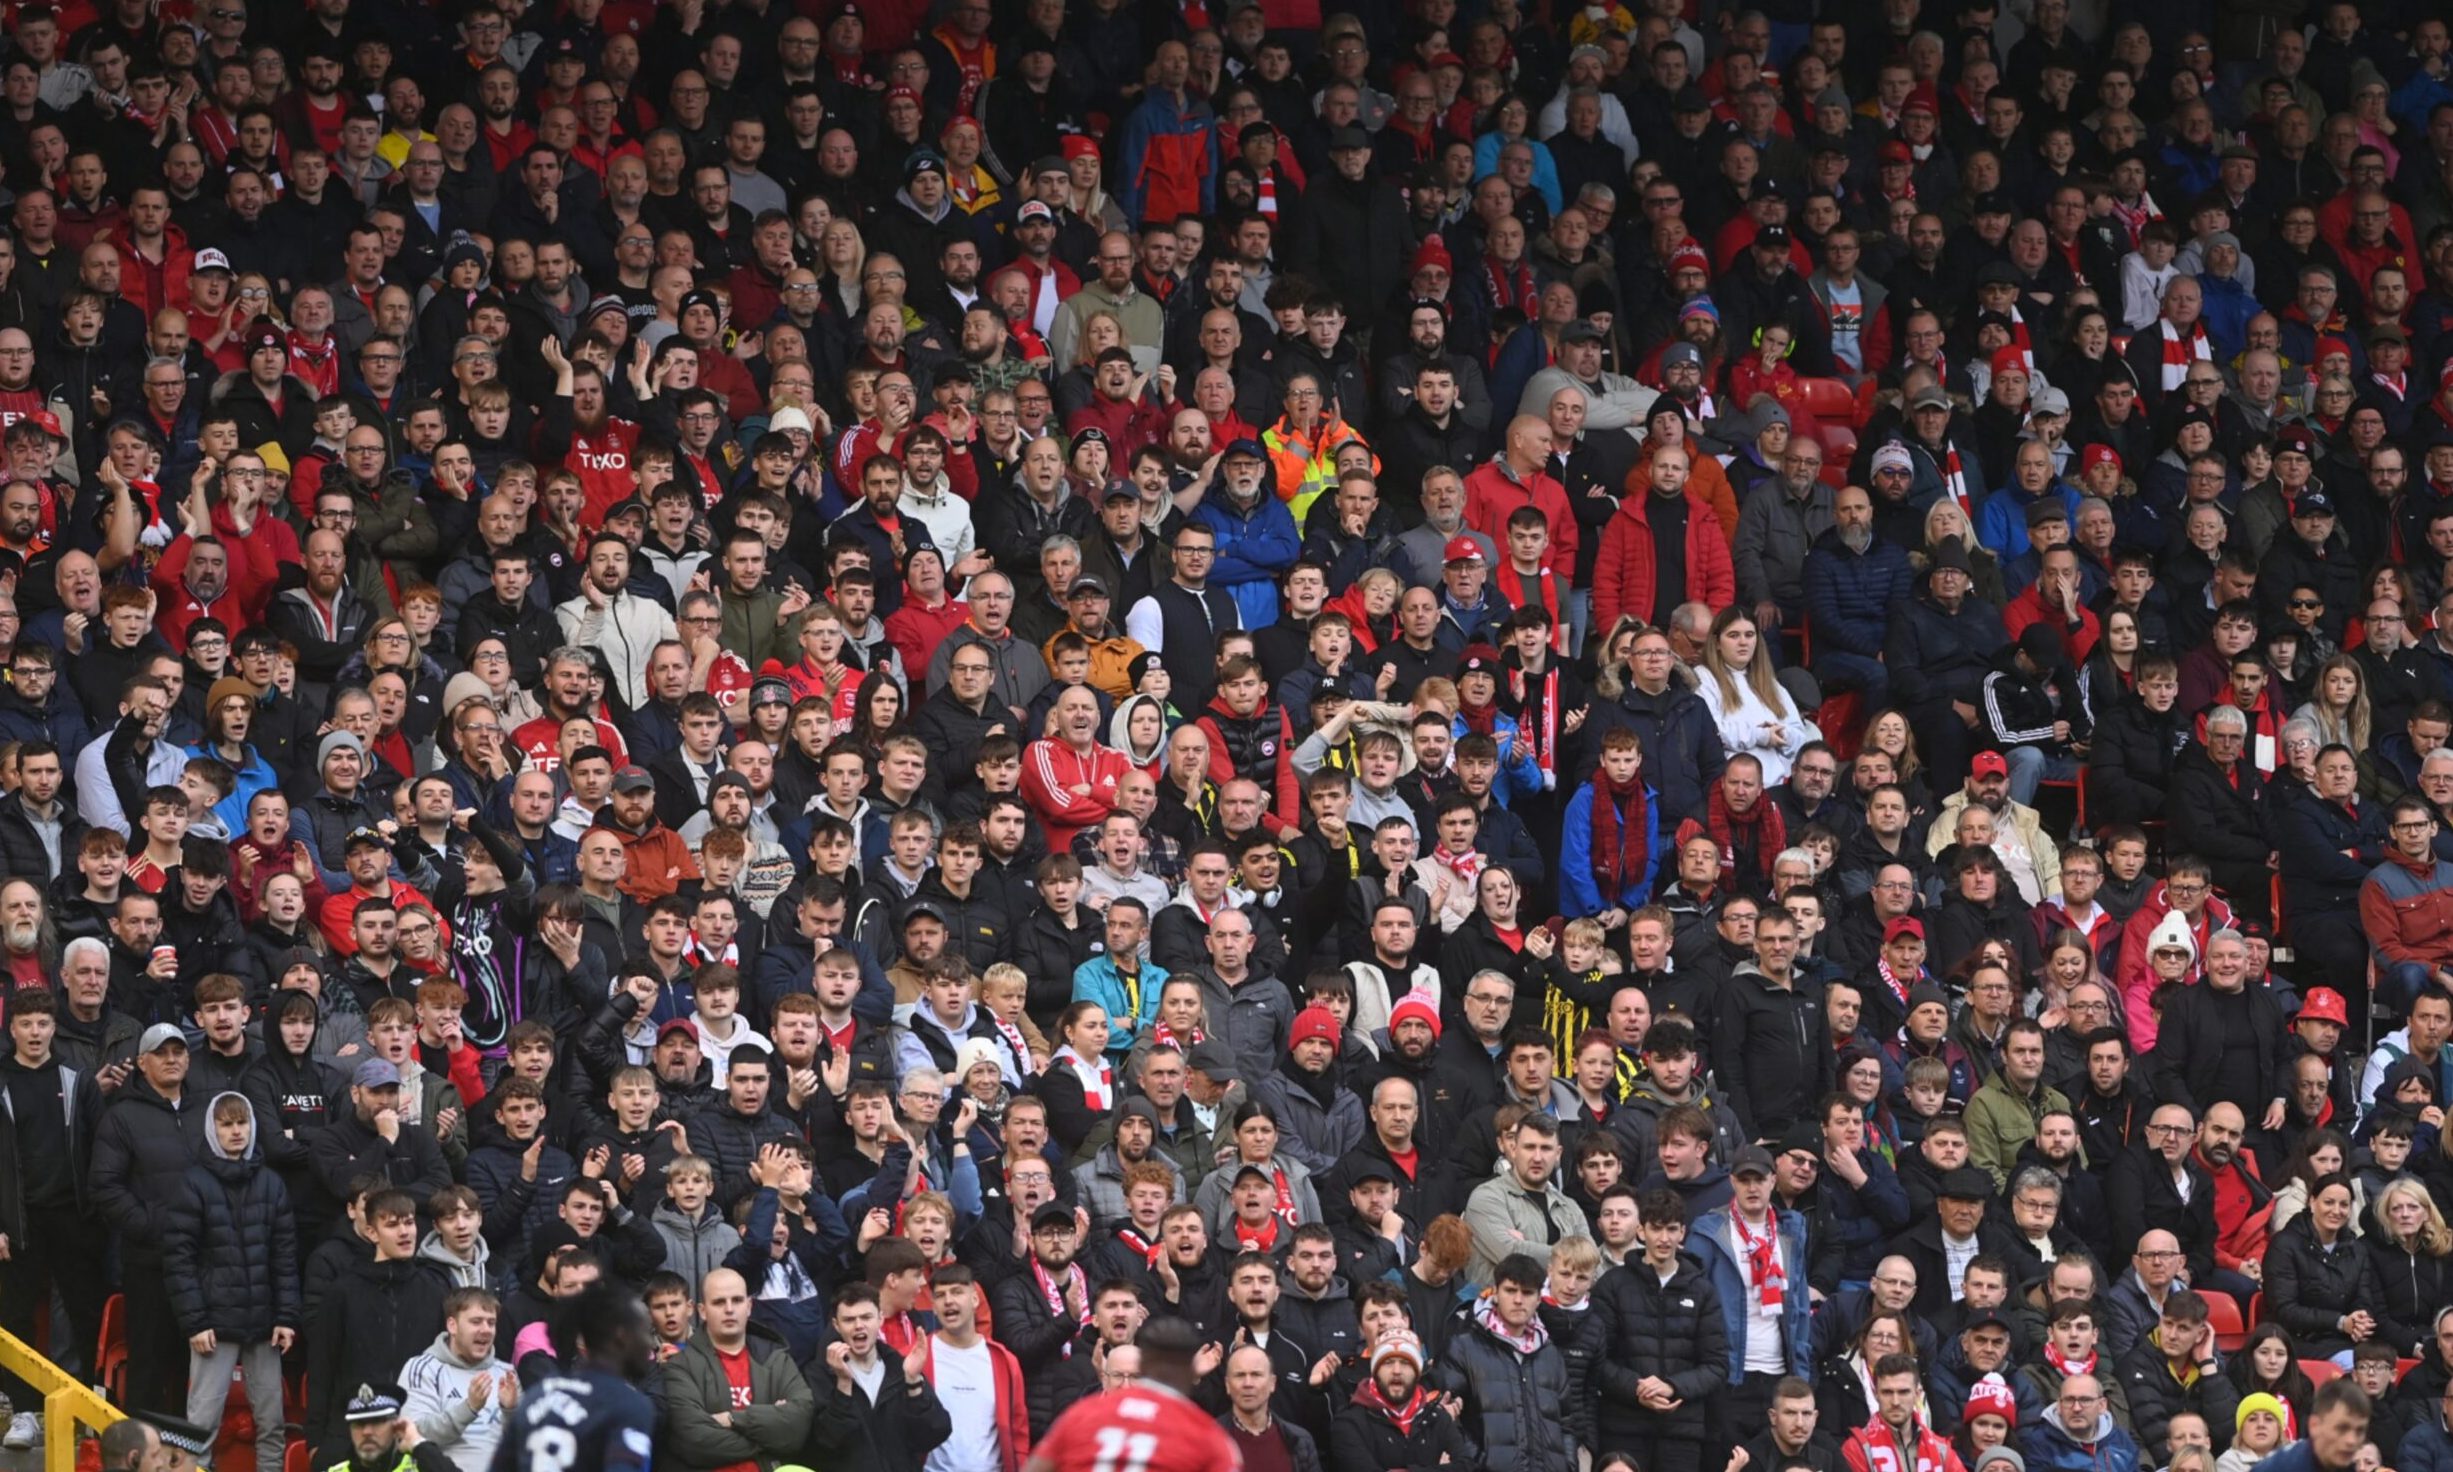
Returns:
(474,1272)
(694,1249)
(435,1390)
(212,1137)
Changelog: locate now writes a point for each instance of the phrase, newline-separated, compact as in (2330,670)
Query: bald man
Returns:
(1517,477)
(710,1424)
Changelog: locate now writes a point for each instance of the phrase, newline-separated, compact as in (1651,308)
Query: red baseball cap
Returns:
(1903,925)
(1989,764)
(1463,549)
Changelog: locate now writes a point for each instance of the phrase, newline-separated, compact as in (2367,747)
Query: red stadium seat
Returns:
(2319,1371)
(1829,400)
(2223,1316)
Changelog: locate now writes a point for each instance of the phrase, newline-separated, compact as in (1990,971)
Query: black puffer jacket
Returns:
(2155,1398)
(1673,1330)
(2129,768)
(2308,1289)
(730,1141)
(230,1244)
(1582,1337)
(1363,1438)
(1515,1403)
(1051,1378)
(141,1154)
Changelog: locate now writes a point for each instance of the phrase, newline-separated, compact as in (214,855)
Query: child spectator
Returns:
(230,1263)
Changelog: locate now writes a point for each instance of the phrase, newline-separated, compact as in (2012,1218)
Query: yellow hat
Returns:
(273,457)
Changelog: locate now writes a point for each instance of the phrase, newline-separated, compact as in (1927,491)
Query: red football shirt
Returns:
(1146,1428)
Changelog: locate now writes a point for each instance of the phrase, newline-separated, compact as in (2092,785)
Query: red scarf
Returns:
(1890,978)
(1286,1211)
(2179,352)
(1263,1238)
(1510,286)
(1466,866)
(1954,478)
(1621,845)
(1132,1239)
(1482,719)
(1543,735)
(1161,1033)
(1771,834)
(2066,1366)
(1763,1260)
(1404,1416)
(1054,1293)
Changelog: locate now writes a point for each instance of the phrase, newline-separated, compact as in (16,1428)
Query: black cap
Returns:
(1690,98)
(1775,237)
(1348,137)
(2042,643)
(1121,490)
(1579,331)
(1211,1057)
(1802,1136)
(1052,1214)
(1949,553)
(1994,202)
(1753,1160)
(2046,509)
(1369,1169)
(1986,1318)
(1997,273)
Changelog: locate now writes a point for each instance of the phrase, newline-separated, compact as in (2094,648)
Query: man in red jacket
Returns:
(1515,477)
(1632,577)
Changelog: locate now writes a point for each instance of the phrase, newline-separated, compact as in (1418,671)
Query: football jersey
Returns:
(578,1422)
(1145,1428)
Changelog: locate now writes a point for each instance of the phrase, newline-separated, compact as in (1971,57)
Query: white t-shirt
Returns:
(967,1387)
(1765,1355)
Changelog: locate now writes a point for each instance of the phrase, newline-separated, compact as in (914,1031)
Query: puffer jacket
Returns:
(1362,1438)
(2216,818)
(2129,768)
(2308,1289)
(229,1242)
(730,1141)
(1624,573)
(1582,1337)
(1052,1378)
(1674,1330)
(142,1152)
(1849,594)
(1316,1134)
(2155,1398)
(1515,1403)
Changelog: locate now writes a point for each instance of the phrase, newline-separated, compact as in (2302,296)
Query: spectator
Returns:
(712,1423)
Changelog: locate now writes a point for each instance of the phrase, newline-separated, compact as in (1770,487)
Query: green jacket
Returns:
(768,1431)
(2000,1123)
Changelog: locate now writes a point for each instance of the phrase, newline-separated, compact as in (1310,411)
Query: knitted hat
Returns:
(333,742)
(1991,1396)
(2272,1405)
(1310,1023)
(2172,933)
(464,686)
(1416,1006)
(1432,252)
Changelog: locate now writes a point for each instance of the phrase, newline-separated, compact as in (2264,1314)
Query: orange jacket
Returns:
(658,861)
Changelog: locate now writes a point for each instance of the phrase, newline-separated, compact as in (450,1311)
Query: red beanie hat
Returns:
(1418,1007)
(1432,252)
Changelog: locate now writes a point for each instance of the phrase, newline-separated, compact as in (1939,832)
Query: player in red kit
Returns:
(1150,1426)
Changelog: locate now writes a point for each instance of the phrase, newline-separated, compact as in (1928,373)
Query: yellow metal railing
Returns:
(69,1409)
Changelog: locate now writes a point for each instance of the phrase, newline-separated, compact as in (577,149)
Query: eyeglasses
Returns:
(2168,1131)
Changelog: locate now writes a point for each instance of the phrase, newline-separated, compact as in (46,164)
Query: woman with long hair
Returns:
(2069,963)
(877,712)
(1944,521)
(2269,1362)
(2410,1248)
(2318,1154)
(1742,691)
(1139,730)
(2338,703)
(2111,671)
(843,257)
(1891,733)
(1844,1391)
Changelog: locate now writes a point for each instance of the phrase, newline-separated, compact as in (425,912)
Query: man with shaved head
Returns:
(727,1400)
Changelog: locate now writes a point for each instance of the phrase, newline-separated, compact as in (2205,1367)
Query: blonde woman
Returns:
(1741,690)
(2338,703)
(2412,1249)
(842,256)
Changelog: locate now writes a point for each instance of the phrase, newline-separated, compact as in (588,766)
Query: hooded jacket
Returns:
(2051,1447)
(373,1321)
(142,1151)
(229,1241)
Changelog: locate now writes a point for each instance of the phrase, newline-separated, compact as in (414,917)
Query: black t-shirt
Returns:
(38,1114)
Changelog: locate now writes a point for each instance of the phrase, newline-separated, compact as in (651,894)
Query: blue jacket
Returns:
(1545,171)
(255,777)
(2226,313)
(1519,774)
(2001,523)
(2425,1447)
(1254,549)
(2048,1448)
(1707,1241)
(1097,980)
(1860,1223)
(1849,595)
(1579,892)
